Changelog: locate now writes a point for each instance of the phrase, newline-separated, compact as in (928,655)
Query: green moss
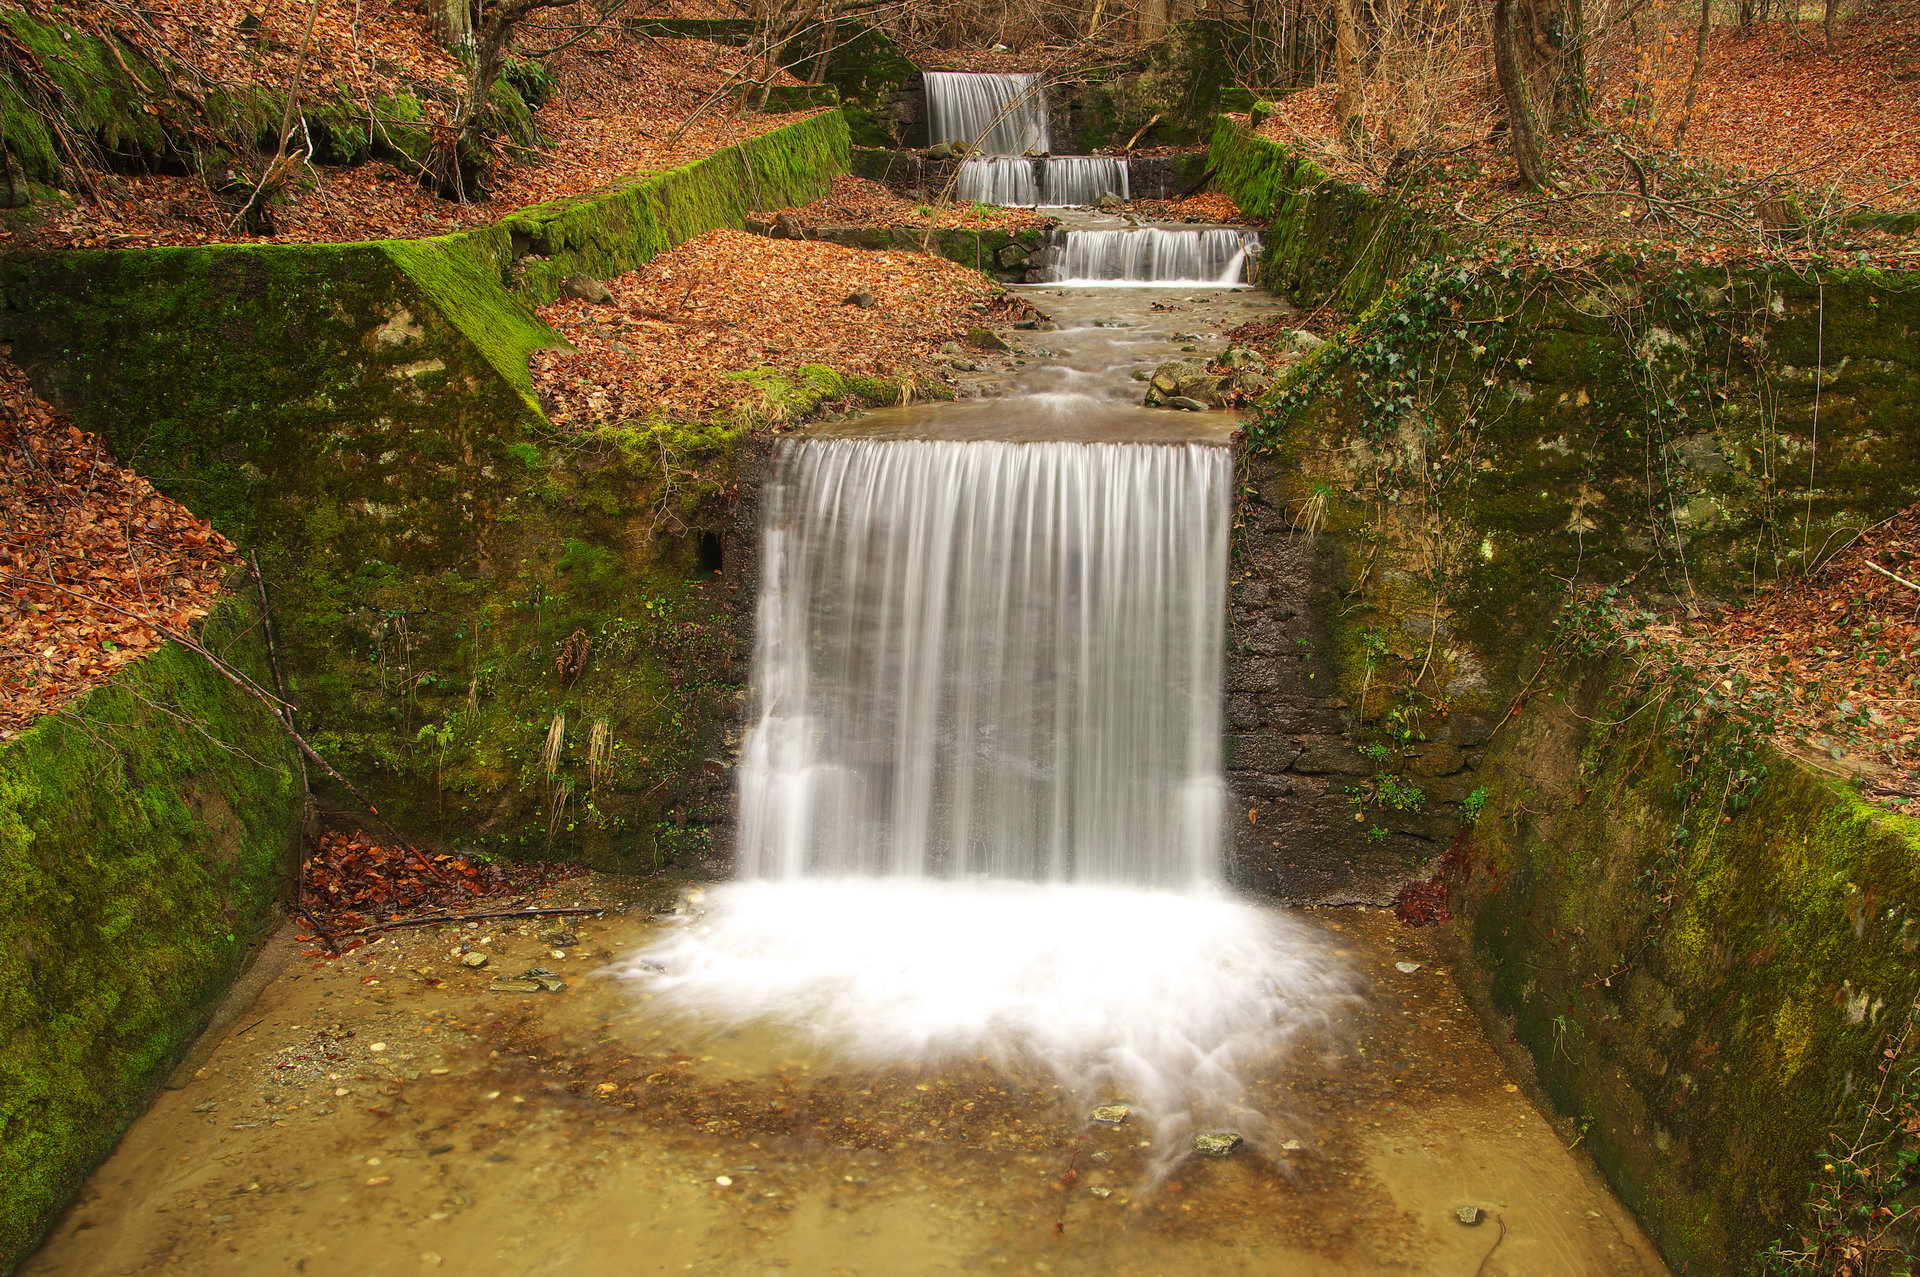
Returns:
(1709,1004)
(362,416)
(144,836)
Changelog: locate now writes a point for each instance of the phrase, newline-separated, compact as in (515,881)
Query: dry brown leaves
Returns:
(1212,207)
(1774,109)
(616,98)
(87,549)
(728,301)
(1838,650)
(858,202)
(356,880)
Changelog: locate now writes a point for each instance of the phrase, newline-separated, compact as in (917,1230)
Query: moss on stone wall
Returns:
(362,416)
(145,833)
(1327,241)
(1705,995)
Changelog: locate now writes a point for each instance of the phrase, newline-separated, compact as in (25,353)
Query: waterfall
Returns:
(989,659)
(1152,255)
(1001,114)
(1082,179)
(1000,179)
(1054,182)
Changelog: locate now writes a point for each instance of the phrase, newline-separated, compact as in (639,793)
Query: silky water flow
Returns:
(980,810)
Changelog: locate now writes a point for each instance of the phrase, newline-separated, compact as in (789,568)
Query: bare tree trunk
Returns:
(1826,21)
(1572,101)
(1523,128)
(1153,19)
(452,22)
(1699,60)
(1346,68)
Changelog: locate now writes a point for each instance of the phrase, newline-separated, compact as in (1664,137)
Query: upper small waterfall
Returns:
(1000,114)
(990,659)
(1153,255)
(1055,182)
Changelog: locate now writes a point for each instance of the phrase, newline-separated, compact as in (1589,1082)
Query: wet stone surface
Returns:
(576,1133)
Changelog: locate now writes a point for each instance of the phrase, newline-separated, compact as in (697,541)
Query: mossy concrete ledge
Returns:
(1708,1005)
(1327,241)
(146,832)
(362,416)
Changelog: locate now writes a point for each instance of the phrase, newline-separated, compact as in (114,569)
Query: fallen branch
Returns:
(326,937)
(476,917)
(1883,572)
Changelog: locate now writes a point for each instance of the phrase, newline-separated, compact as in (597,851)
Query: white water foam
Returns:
(1165,1000)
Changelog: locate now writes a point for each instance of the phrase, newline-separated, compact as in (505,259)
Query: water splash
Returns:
(1165,1000)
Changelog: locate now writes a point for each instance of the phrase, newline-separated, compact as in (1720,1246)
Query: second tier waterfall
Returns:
(990,658)
(980,807)
(1156,255)
(999,114)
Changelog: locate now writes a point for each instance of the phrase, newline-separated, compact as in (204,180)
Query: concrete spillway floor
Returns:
(384,1113)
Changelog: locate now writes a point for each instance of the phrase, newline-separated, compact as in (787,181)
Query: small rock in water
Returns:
(545,979)
(1216,1143)
(1406,968)
(208,1107)
(1101,1158)
(865,301)
(1143,374)
(1291,1146)
(474,960)
(1469,1215)
(560,939)
(513,986)
(1185,404)
(1101,1193)
(1111,1114)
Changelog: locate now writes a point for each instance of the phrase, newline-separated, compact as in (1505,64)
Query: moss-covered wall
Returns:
(362,416)
(145,833)
(1702,987)
(1477,443)
(1706,1004)
(1327,241)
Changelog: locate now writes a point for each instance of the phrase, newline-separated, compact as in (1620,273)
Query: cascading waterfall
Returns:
(1152,255)
(1058,181)
(999,114)
(980,808)
(990,659)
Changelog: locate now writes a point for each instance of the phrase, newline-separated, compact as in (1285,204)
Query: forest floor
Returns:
(95,565)
(683,327)
(615,107)
(1776,113)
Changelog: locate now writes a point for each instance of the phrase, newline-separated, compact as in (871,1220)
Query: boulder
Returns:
(1303,341)
(944,151)
(865,301)
(1108,199)
(1013,255)
(1185,404)
(1185,379)
(587,289)
(985,339)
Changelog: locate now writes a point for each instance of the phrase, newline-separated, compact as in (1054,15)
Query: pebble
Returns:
(378,1046)
(1111,1114)
(724,1181)
(1216,1143)
(1468,1215)
(513,986)
(1101,1193)
(380,1181)
(1406,968)
(1291,1146)
(474,960)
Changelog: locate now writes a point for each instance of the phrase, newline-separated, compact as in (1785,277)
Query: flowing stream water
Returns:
(979,894)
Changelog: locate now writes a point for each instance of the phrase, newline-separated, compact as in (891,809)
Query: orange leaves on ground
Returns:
(729,301)
(72,522)
(858,202)
(1839,647)
(614,101)
(355,880)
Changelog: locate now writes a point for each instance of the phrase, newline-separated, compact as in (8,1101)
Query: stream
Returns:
(981,904)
